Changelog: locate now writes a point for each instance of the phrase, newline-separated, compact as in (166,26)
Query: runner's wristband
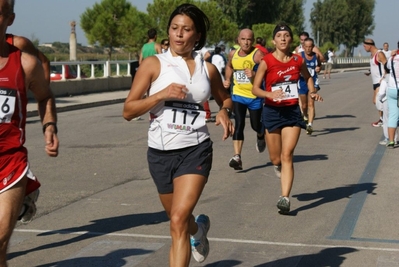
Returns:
(48,124)
(227,109)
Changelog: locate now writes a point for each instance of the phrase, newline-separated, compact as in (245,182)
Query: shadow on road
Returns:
(326,257)
(335,117)
(297,158)
(224,263)
(329,195)
(333,130)
(114,258)
(99,228)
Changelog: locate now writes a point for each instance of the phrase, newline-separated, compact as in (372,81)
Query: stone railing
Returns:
(105,76)
(85,77)
(98,69)
(95,69)
(351,60)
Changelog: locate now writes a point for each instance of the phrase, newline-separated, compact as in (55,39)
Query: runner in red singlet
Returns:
(19,71)
(281,113)
(28,210)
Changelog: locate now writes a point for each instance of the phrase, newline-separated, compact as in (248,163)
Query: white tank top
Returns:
(376,68)
(394,74)
(181,123)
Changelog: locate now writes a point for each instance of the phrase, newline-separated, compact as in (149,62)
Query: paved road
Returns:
(99,207)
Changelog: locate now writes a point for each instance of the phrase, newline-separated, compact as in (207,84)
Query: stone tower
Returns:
(72,42)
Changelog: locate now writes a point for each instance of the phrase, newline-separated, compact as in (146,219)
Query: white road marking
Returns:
(242,241)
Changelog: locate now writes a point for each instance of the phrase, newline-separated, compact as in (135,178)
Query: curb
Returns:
(34,113)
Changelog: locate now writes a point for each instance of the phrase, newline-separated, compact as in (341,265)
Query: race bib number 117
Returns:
(182,117)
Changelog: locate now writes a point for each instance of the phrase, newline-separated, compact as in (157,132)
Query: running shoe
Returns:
(283,204)
(309,129)
(384,142)
(305,119)
(391,145)
(235,162)
(28,210)
(200,247)
(260,143)
(377,123)
(277,170)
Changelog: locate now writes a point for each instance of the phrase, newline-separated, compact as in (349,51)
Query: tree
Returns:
(103,23)
(246,13)
(134,30)
(347,27)
(359,25)
(236,10)
(221,28)
(291,11)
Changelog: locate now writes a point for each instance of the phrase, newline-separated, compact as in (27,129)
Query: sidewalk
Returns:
(69,103)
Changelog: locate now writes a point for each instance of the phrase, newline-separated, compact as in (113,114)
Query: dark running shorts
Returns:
(278,117)
(375,86)
(166,165)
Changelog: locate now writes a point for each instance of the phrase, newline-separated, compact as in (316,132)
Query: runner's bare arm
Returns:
(35,81)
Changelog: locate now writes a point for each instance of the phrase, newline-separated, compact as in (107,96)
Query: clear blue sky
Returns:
(48,20)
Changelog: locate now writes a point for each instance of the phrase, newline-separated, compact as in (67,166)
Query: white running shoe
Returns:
(277,170)
(28,210)
(200,248)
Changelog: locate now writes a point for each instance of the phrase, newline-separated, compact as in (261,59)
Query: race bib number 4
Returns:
(241,77)
(7,104)
(290,89)
(182,117)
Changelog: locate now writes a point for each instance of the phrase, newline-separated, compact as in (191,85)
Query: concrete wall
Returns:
(87,86)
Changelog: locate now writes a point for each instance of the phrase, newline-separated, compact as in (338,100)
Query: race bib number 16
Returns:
(182,117)
(7,104)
